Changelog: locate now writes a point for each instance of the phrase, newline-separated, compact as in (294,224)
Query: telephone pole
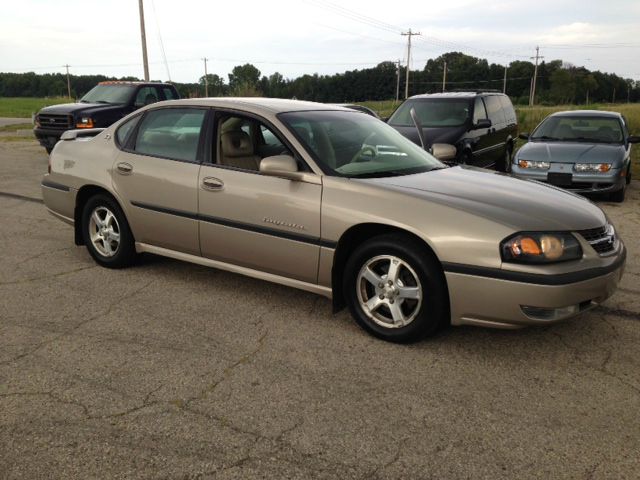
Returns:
(398,83)
(408,34)
(444,76)
(143,35)
(68,81)
(504,83)
(535,74)
(206,80)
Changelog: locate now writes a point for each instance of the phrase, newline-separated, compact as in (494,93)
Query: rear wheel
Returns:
(395,290)
(106,233)
(505,166)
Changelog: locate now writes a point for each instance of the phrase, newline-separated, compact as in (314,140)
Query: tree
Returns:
(244,76)
(563,86)
(216,85)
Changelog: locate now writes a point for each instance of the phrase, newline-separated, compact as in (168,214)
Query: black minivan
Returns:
(481,125)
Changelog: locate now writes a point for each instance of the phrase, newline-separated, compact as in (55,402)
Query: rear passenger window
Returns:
(125,129)
(494,109)
(479,112)
(169,94)
(171,133)
(507,108)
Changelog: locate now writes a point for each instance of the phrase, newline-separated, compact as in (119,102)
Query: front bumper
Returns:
(611,181)
(498,302)
(48,137)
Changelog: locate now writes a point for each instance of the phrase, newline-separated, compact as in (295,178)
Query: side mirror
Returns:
(283,166)
(633,139)
(482,123)
(524,136)
(444,151)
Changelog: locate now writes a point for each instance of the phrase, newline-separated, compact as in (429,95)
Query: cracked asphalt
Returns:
(174,371)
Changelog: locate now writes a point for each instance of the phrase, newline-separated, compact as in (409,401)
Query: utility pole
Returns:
(535,75)
(68,82)
(444,76)
(613,98)
(398,83)
(504,83)
(408,34)
(206,80)
(143,35)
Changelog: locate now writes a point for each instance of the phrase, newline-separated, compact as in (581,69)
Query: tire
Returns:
(618,195)
(506,161)
(106,233)
(49,150)
(628,179)
(413,306)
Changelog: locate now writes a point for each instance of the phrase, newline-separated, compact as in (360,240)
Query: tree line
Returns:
(557,82)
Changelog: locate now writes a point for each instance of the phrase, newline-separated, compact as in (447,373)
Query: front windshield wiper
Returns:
(546,137)
(592,140)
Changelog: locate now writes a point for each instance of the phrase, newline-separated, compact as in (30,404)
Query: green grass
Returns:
(23,107)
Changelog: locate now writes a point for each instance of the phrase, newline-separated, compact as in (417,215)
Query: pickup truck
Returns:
(103,105)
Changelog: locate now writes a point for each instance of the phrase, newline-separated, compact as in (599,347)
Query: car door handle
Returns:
(212,183)
(124,168)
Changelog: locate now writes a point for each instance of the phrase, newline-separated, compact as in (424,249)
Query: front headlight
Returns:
(592,167)
(532,164)
(540,247)
(85,122)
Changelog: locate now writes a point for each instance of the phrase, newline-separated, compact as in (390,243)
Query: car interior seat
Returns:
(564,131)
(236,150)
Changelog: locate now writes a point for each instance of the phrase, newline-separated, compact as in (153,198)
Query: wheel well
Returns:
(82,197)
(349,241)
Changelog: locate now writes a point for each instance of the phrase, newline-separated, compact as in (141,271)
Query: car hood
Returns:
(571,152)
(520,204)
(77,108)
(449,135)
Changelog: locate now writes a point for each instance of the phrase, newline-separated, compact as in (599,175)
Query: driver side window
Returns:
(146,96)
(243,142)
(479,112)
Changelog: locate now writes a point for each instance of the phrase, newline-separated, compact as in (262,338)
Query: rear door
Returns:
(497,137)
(156,174)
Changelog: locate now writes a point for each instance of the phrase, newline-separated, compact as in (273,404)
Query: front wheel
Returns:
(106,233)
(618,195)
(506,161)
(395,289)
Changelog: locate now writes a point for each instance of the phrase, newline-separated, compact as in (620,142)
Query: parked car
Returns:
(586,151)
(104,104)
(360,108)
(338,203)
(481,125)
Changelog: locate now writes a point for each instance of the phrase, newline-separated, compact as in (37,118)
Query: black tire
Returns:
(618,195)
(431,312)
(628,178)
(49,150)
(505,166)
(124,254)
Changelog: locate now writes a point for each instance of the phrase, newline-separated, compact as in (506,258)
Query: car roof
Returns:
(586,113)
(455,94)
(257,104)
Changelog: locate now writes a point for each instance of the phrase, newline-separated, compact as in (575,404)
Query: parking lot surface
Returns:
(172,370)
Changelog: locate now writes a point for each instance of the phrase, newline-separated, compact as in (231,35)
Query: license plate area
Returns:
(559,179)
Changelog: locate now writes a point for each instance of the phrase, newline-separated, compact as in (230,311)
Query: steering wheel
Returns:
(367,150)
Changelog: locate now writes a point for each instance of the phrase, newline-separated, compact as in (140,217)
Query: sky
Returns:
(310,36)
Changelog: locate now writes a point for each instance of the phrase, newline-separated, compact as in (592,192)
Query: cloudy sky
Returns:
(308,36)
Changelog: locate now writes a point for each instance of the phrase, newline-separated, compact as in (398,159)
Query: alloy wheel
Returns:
(104,231)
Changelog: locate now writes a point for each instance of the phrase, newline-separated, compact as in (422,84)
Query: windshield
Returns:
(579,129)
(109,94)
(433,112)
(353,145)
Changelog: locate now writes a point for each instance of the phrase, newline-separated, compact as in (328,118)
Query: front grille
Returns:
(601,239)
(59,122)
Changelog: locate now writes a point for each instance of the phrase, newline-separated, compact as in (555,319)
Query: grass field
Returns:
(23,107)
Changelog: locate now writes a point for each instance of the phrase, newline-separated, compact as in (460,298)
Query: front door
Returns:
(252,220)
(157,174)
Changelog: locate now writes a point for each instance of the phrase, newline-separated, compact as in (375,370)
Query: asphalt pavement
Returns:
(169,370)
